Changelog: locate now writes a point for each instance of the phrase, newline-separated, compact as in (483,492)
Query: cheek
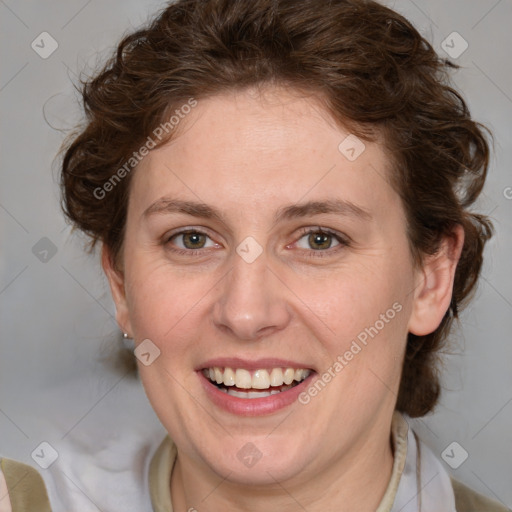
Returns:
(363,347)
(355,300)
(161,301)
(370,320)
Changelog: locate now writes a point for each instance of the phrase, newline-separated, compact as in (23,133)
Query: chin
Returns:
(257,461)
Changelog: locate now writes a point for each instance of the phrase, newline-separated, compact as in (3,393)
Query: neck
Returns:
(356,481)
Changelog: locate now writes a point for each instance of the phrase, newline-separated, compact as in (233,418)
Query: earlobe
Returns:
(433,292)
(116,281)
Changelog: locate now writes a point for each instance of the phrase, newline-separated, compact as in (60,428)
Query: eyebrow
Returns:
(289,212)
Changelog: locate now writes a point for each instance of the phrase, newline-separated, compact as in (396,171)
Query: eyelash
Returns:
(342,240)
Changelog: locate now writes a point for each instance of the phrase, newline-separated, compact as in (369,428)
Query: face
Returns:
(260,255)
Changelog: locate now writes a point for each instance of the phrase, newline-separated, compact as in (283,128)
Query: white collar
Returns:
(424,485)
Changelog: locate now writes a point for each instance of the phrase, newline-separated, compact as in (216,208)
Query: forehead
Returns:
(253,150)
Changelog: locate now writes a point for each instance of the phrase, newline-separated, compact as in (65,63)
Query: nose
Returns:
(252,301)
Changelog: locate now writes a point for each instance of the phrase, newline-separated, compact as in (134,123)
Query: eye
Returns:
(190,240)
(318,240)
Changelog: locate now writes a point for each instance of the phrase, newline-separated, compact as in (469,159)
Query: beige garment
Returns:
(27,492)
(468,500)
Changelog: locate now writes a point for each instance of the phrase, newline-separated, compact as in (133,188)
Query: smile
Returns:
(242,383)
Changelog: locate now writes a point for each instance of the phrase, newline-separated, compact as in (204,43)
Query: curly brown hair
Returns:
(374,73)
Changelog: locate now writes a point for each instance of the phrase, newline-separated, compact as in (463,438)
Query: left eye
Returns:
(192,240)
(318,240)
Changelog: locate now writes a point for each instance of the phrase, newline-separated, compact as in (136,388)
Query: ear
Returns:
(434,284)
(116,281)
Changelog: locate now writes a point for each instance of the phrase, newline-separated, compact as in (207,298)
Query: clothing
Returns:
(419,482)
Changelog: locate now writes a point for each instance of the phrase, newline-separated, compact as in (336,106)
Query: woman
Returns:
(281,193)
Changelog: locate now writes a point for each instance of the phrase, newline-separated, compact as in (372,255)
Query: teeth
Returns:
(229,377)
(276,377)
(218,376)
(243,379)
(253,394)
(300,375)
(288,375)
(259,379)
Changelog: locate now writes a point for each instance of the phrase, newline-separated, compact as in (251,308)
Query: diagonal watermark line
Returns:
(207,292)
(177,177)
(69,70)
(390,390)
(95,405)
(486,14)
(14,14)
(217,486)
(13,279)
(488,214)
(422,281)
(424,13)
(484,196)
(491,285)
(492,81)
(196,400)
(425,424)
(419,492)
(10,490)
(490,490)
(13,422)
(13,77)
(75,15)
(81,490)
(503,407)
(14,218)
(88,293)
(278,425)
(381,176)
(287,492)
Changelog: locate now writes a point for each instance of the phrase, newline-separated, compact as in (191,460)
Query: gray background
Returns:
(56,316)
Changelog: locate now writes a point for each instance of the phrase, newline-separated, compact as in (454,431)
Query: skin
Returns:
(247,154)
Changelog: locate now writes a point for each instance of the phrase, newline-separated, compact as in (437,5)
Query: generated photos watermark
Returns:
(151,142)
(355,348)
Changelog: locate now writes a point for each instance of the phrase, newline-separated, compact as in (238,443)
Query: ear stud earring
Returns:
(127,341)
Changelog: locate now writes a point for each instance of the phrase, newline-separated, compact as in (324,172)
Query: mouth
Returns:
(252,384)
(253,388)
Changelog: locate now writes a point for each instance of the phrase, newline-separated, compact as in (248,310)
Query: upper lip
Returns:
(255,364)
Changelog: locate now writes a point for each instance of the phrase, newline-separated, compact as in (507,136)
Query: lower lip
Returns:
(253,406)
